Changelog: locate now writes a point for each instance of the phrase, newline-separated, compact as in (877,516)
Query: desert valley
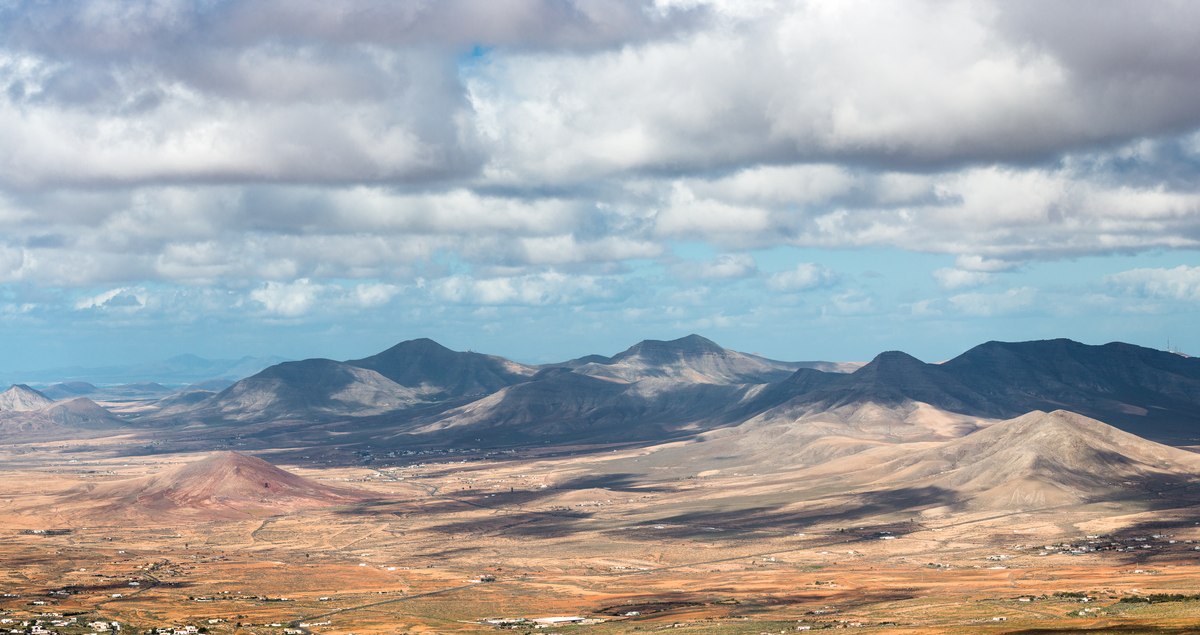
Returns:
(1032,487)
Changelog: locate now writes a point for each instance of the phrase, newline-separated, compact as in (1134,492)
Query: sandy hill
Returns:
(22,398)
(224,484)
(688,359)
(1040,460)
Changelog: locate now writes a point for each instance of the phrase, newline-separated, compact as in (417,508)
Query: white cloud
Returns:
(973,262)
(534,290)
(852,302)
(287,299)
(803,277)
(121,298)
(994,304)
(1178,283)
(954,278)
(721,267)
(374,295)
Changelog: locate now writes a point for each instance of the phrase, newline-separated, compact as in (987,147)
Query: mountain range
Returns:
(1004,425)
(419,392)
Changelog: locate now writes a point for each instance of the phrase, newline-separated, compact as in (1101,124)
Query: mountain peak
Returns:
(896,357)
(890,364)
(418,345)
(425,363)
(22,398)
(688,346)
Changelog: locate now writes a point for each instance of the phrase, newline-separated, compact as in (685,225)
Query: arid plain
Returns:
(444,542)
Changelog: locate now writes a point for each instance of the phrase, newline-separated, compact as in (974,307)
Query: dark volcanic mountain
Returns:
(559,405)
(691,359)
(893,378)
(1119,383)
(408,374)
(1153,393)
(421,392)
(430,367)
(313,387)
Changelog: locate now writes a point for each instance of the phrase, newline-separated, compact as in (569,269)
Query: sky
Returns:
(543,179)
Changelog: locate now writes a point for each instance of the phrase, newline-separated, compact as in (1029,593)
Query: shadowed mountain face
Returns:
(408,374)
(310,387)
(427,365)
(1153,393)
(563,406)
(424,392)
(691,359)
(893,378)
(1119,383)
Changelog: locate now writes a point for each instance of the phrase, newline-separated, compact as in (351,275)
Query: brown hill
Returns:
(221,485)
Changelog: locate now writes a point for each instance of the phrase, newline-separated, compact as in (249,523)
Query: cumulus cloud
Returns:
(533,290)
(304,157)
(994,304)
(374,295)
(121,298)
(802,277)
(953,278)
(288,299)
(1178,283)
(721,267)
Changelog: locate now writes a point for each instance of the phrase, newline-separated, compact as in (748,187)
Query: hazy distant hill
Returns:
(181,369)
(26,415)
